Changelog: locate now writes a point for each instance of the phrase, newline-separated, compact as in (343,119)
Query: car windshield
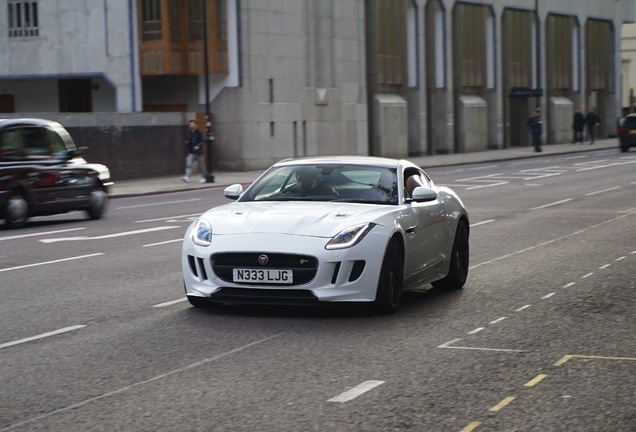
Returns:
(326,182)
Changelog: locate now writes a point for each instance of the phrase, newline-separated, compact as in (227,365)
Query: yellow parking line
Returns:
(471,427)
(570,357)
(502,404)
(535,380)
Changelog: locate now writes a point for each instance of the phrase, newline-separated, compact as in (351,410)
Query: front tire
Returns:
(97,205)
(389,293)
(458,269)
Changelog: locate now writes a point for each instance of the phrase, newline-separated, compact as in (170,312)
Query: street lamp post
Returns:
(208,135)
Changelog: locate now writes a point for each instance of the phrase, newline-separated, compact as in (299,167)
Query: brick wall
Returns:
(133,152)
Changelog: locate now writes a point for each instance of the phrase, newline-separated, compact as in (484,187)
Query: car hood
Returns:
(316,219)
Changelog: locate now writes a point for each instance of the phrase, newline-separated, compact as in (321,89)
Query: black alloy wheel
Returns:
(460,256)
(389,293)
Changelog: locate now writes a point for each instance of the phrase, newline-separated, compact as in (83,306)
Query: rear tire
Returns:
(389,293)
(16,212)
(458,270)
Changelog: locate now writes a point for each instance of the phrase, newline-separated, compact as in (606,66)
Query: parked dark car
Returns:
(627,132)
(42,172)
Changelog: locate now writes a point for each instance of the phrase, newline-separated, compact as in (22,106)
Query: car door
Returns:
(425,230)
(55,186)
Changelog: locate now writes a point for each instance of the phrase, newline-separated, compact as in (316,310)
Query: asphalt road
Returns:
(96,335)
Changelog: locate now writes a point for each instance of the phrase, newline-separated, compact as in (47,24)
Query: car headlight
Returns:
(202,233)
(349,237)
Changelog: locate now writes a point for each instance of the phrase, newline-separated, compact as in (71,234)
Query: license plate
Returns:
(273,276)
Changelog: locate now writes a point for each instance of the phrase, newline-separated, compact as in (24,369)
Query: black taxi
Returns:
(42,172)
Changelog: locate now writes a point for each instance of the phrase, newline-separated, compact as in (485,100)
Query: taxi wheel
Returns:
(16,212)
(97,204)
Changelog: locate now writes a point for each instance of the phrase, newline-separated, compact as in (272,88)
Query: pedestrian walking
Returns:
(591,120)
(577,126)
(194,143)
(535,125)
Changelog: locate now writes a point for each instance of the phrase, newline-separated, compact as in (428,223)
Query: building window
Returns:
(195,20)
(471,23)
(23,18)
(560,51)
(391,43)
(598,54)
(151,20)
(519,48)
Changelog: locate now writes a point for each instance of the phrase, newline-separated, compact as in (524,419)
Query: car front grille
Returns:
(303,266)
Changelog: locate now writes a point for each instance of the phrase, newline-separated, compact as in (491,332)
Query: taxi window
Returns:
(35,143)
(10,145)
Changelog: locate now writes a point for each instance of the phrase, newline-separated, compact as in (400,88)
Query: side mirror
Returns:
(422,194)
(78,152)
(233,192)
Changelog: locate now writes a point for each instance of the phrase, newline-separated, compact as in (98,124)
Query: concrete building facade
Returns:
(293,78)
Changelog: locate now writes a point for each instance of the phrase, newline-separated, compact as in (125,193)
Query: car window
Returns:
(35,144)
(11,145)
(55,142)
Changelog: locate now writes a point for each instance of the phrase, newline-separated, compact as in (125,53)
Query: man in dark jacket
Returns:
(535,125)
(194,143)
(577,126)
(592,121)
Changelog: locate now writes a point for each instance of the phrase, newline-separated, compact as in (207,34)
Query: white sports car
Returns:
(328,229)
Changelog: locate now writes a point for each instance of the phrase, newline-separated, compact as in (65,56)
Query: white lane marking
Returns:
(587,275)
(169,303)
(50,262)
(482,223)
(498,320)
(601,191)
(628,210)
(568,285)
(164,242)
(169,218)
(522,308)
(551,204)
(549,241)
(449,343)
(620,258)
(41,336)
(141,383)
(477,330)
(356,391)
(21,236)
(158,204)
(547,296)
(604,266)
(107,236)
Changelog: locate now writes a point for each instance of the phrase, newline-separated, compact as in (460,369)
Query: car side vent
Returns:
(204,274)
(193,266)
(356,270)
(334,278)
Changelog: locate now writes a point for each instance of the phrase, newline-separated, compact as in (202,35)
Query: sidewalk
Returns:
(157,185)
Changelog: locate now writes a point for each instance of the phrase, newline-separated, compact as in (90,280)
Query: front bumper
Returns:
(346,275)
